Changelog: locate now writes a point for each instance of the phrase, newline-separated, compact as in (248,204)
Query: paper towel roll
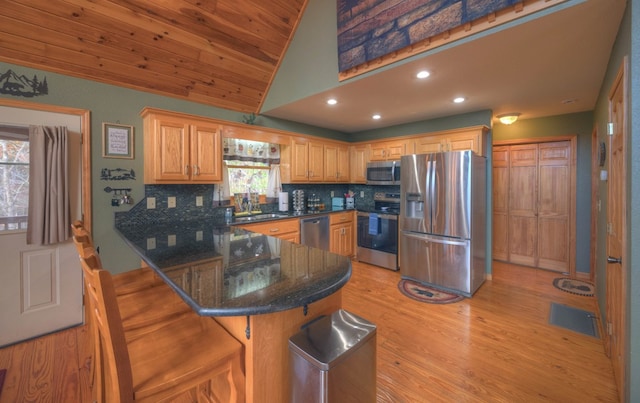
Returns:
(283,201)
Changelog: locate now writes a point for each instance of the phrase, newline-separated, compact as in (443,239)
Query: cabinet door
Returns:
(299,160)
(429,144)
(465,141)
(396,149)
(523,200)
(316,162)
(206,153)
(378,152)
(500,202)
(171,151)
(359,156)
(342,239)
(336,163)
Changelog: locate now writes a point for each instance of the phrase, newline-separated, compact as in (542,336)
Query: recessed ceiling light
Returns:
(459,100)
(332,101)
(423,74)
(376,116)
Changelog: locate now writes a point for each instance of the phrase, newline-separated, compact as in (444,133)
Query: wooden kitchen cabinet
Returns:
(388,150)
(205,279)
(307,160)
(359,156)
(287,229)
(342,233)
(470,138)
(180,149)
(336,163)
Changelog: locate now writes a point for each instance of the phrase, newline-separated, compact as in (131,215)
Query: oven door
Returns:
(378,246)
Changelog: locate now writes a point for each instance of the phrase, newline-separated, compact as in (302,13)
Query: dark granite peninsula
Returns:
(260,288)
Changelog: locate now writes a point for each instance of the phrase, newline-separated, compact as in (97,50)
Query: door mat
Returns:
(574,286)
(423,293)
(575,319)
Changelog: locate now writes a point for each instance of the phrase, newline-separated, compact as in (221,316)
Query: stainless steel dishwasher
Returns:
(314,231)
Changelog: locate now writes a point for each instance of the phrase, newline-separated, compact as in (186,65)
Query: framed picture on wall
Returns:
(117,141)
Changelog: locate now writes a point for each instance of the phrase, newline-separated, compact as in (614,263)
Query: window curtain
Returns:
(274,184)
(247,150)
(222,192)
(49,220)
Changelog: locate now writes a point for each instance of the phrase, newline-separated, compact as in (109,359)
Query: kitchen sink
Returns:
(259,217)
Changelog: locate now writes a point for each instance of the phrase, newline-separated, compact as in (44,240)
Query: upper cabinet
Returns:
(336,163)
(358,158)
(180,149)
(307,160)
(389,150)
(469,138)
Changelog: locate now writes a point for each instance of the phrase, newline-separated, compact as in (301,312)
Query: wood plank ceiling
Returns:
(223,53)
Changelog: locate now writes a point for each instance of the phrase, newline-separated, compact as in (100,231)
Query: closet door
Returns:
(500,202)
(532,188)
(554,205)
(523,200)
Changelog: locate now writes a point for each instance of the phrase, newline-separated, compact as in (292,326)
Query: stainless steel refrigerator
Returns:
(443,220)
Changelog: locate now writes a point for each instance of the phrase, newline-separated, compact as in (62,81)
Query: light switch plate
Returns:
(171,202)
(198,201)
(151,202)
(198,235)
(171,240)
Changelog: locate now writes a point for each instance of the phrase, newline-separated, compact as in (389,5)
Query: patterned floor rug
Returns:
(574,286)
(423,293)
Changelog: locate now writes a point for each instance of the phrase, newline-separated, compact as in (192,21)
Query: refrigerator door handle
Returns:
(436,239)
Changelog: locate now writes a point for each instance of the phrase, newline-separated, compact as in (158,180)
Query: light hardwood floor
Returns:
(494,347)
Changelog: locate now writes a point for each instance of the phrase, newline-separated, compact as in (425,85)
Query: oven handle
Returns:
(391,217)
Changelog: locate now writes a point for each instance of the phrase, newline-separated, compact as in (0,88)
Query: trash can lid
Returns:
(328,340)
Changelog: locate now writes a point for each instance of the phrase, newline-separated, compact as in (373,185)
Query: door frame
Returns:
(85,119)
(595,202)
(573,145)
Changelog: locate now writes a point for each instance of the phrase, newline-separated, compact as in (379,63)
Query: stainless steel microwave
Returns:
(383,173)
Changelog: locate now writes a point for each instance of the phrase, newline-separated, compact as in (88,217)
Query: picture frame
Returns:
(117,141)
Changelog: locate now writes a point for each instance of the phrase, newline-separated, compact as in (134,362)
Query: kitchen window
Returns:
(14,181)
(248,164)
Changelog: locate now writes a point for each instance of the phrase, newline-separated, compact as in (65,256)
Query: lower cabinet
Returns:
(342,233)
(287,229)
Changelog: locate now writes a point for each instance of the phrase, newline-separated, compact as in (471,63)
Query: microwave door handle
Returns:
(393,171)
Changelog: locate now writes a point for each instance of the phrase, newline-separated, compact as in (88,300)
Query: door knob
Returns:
(611,259)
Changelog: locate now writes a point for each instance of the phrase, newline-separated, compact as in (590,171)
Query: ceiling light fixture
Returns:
(376,117)
(332,101)
(423,74)
(508,118)
(458,100)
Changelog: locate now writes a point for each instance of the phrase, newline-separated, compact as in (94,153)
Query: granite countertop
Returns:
(227,271)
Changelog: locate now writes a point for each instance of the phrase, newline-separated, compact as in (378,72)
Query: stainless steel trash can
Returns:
(333,359)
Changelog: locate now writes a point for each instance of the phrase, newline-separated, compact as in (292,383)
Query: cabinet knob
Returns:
(196,170)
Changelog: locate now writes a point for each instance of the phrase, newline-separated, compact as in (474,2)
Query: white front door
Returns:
(41,285)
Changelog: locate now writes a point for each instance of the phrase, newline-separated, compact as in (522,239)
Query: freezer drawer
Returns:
(443,262)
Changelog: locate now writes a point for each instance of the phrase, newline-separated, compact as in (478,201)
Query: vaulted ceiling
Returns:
(218,52)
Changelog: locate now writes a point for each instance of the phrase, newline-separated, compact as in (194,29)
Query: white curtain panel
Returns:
(274,183)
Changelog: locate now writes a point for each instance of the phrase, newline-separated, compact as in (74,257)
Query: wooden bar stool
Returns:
(190,355)
(129,281)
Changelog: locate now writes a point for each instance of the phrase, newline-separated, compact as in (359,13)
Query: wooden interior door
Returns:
(554,208)
(523,201)
(500,202)
(533,196)
(616,268)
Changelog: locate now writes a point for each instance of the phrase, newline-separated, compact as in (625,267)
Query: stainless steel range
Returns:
(378,231)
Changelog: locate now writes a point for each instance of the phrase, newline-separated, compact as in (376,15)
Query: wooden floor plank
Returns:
(495,347)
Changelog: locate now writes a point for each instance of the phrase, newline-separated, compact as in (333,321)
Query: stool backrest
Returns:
(117,381)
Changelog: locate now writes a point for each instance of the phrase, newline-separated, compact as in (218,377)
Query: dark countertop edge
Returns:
(325,292)
(290,215)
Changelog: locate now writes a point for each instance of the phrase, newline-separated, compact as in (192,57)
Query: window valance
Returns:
(247,150)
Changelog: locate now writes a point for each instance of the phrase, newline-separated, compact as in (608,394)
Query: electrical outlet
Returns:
(171,240)
(171,202)
(362,193)
(151,243)
(198,235)
(151,202)
(198,201)
(332,193)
